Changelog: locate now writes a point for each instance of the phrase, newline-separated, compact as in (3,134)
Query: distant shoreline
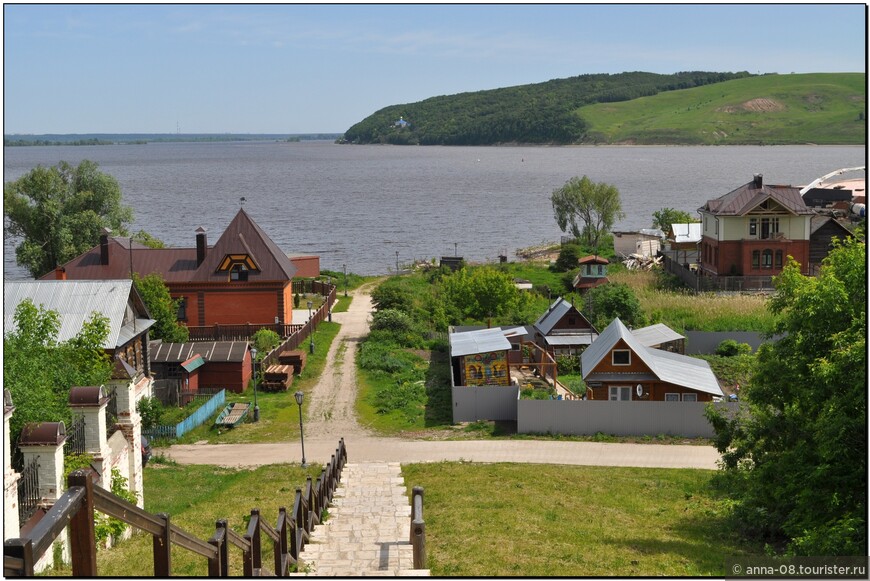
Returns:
(75,139)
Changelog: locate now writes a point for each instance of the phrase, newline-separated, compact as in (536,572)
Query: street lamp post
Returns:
(310,330)
(254,367)
(299,396)
(397,262)
(344,266)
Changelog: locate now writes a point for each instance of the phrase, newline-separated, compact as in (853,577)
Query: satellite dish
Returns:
(639,390)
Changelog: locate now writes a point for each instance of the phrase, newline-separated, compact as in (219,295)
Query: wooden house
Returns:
(563,330)
(751,231)
(618,367)
(76,301)
(593,272)
(823,229)
(203,365)
(243,278)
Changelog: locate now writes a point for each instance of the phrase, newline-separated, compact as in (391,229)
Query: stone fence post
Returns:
(44,442)
(90,403)
(128,393)
(11,525)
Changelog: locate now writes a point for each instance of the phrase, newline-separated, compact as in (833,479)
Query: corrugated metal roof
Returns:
(656,335)
(554,314)
(558,340)
(473,342)
(193,363)
(76,300)
(217,351)
(670,367)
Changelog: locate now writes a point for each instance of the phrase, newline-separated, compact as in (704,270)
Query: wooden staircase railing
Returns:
(82,498)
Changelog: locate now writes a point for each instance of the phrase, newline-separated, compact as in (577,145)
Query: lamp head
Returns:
(299,395)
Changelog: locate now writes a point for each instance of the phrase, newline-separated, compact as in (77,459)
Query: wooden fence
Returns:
(77,506)
(197,418)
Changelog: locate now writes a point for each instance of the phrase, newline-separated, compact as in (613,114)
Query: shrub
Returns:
(609,301)
(392,320)
(265,340)
(730,348)
(390,296)
(569,255)
(567,364)
(296,300)
(151,411)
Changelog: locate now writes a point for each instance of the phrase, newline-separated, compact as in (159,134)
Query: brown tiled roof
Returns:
(748,196)
(594,259)
(242,236)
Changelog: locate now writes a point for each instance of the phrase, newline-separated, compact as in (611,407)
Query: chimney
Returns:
(756,180)
(201,245)
(60,273)
(104,246)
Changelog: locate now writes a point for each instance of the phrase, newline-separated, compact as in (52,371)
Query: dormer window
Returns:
(237,266)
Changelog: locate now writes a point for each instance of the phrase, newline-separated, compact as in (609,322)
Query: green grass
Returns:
(574,521)
(481,519)
(195,497)
(279,414)
(823,108)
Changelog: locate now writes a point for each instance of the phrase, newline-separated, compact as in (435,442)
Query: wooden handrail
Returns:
(77,505)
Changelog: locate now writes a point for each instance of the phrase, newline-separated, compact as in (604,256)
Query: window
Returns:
(620,393)
(239,272)
(753,227)
(672,397)
(769,227)
(690,397)
(621,357)
(600,269)
(778,259)
(756,258)
(181,313)
(767,258)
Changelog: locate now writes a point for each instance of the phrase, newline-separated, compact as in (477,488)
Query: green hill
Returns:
(772,109)
(684,108)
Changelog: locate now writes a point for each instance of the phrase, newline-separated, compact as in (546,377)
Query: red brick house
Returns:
(752,230)
(619,367)
(243,278)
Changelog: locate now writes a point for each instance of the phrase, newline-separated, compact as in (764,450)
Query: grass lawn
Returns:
(279,414)
(481,519)
(543,520)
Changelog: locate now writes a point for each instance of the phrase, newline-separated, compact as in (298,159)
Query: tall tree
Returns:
(662,219)
(59,212)
(796,463)
(587,209)
(162,308)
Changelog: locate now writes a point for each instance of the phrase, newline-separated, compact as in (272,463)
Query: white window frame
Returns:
(690,397)
(619,388)
(672,397)
(613,358)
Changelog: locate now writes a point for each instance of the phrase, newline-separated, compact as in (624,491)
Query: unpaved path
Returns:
(331,416)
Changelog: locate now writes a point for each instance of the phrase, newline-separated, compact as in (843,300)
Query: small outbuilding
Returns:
(203,365)
(480,357)
(593,272)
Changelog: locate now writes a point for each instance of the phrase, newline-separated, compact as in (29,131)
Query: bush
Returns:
(391,320)
(569,255)
(730,348)
(567,364)
(390,296)
(612,300)
(265,340)
(151,411)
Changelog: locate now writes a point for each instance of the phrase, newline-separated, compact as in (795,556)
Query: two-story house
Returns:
(752,230)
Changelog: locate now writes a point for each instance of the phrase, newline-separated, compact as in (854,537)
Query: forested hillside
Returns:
(536,113)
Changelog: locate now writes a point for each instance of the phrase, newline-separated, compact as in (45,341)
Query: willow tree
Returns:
(587,209)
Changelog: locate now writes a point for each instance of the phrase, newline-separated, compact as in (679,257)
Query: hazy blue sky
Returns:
(321,68)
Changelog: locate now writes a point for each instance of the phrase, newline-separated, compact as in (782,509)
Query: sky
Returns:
(284,69)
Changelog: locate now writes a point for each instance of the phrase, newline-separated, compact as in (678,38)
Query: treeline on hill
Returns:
(535,113)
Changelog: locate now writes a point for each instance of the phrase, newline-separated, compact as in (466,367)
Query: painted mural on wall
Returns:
(486,369)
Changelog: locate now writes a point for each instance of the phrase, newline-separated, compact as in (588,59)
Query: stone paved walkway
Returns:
(367,531)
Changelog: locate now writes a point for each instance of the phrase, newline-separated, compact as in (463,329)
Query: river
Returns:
(359,205)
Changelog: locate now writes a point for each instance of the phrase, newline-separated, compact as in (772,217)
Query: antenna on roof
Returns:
(242,201)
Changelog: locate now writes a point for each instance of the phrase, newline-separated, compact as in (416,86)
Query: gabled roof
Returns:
(473,342)
(749,196)
(817,221)
(76,300)
(554,314)
(244,236)
(656,335)
(686,233)
(669,367)
(593,259)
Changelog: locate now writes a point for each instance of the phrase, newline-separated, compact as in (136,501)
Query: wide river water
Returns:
(359,205)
